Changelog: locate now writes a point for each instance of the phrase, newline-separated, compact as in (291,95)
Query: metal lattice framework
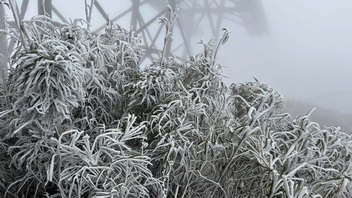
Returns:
(196,18)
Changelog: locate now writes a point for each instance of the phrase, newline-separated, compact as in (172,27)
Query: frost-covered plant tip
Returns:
(80,118)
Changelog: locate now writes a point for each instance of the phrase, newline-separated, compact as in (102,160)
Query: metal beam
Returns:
(248,13)
(135,14)
(23,8)
(151,21)
(101,10)
(58,14)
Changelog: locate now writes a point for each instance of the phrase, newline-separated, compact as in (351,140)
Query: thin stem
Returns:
(19,23)
(89,11)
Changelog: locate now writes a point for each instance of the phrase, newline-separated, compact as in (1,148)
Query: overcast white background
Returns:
(307,55)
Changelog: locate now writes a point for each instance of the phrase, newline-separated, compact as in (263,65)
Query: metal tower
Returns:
(196,18)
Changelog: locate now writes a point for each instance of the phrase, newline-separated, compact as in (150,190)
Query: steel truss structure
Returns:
(196,18)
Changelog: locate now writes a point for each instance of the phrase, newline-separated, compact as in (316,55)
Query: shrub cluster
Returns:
(79,118)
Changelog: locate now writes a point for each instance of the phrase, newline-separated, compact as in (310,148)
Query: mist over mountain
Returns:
(306,54)
(324,117)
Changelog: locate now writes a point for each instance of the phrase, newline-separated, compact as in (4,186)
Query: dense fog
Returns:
(306,54)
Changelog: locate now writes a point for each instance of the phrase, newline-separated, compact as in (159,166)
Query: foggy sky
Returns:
(307,55)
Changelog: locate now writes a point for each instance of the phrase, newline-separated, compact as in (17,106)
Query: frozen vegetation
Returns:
(79,118)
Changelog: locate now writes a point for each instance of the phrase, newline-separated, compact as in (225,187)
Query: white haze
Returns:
(307,54)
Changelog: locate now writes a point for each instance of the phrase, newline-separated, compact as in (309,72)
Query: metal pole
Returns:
(3,47)
(135,14)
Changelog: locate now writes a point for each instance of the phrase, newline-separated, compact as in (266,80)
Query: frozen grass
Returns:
(79,118)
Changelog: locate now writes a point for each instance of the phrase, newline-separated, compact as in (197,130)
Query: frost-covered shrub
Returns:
(122,49)
(153,87)
(62,80)
(102,164)
(250,98)
(45,84)
(112,62)
(47,77)
(80,118)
